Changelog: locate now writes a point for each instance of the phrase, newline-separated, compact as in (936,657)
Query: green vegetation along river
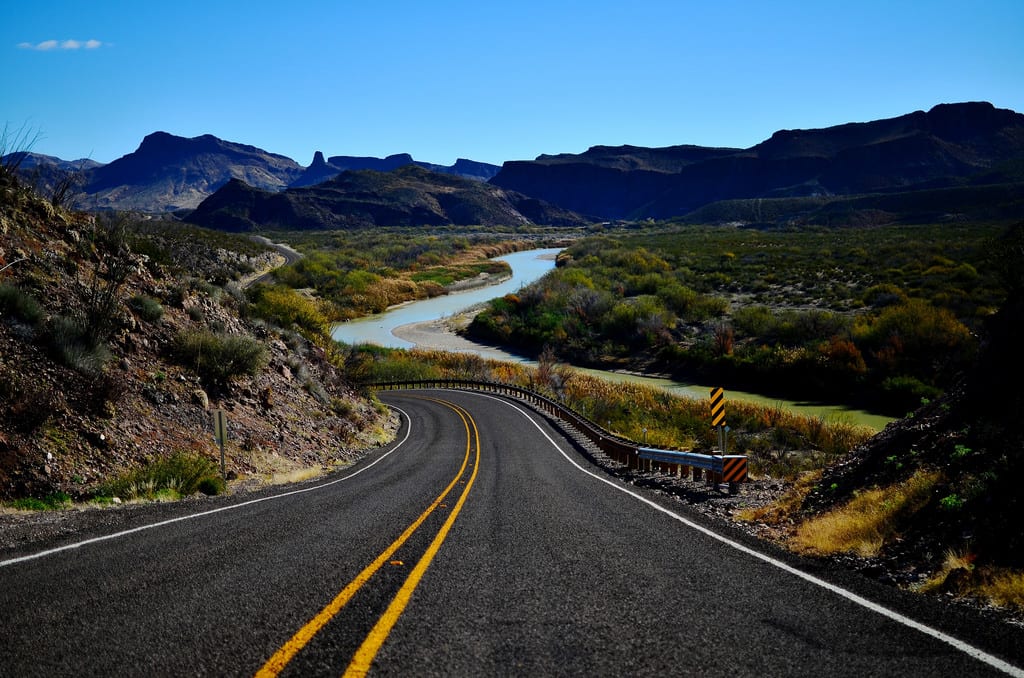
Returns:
(418,324)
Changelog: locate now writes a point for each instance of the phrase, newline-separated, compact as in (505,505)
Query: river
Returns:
(415,320)
(378,329)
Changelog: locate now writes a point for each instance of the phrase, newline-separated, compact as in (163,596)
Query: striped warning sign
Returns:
(718,406)
(734,469)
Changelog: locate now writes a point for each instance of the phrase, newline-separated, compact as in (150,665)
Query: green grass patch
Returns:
(164,479)
(51,502)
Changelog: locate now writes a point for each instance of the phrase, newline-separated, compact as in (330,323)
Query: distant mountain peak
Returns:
(169,172)
(320,171)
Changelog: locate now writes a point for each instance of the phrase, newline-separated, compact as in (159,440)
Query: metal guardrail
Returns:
(715,469)
(731,467)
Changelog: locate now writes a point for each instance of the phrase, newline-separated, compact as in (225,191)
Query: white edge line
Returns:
(192,516)
(970,650)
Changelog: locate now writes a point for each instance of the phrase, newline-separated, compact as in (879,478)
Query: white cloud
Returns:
(47,45)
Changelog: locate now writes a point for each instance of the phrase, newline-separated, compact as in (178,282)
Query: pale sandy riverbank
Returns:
(440,335)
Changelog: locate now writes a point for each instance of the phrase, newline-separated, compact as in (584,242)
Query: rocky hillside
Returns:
(117,340)
(408,196)
(951,145)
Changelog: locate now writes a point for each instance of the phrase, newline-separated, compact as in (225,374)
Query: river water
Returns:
(527,267)
(377,329)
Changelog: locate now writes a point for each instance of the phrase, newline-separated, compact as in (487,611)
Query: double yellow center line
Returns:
(364,656)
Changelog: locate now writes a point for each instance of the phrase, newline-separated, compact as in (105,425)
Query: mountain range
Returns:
(951,145)
(956,159)
(169,173)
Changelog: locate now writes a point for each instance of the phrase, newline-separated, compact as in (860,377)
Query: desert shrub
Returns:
(72,344)
(147,308)
(924,339)
(841,357)
(178,475)
(285,307)
(906,393)
(113,263)
(217,357)
(753,321)
(886,294)
(20,304)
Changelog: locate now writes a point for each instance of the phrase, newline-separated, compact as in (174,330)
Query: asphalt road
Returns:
(289,254)
(480,543)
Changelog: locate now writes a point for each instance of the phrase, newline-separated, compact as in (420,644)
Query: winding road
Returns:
(480,543)
(290,257)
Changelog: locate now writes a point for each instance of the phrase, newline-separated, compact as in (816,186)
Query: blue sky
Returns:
(489,81)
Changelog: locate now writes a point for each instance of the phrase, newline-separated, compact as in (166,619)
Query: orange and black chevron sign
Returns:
(734,469)
(718,406)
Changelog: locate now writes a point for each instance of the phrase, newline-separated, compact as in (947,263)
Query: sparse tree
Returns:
(67,186)
(15,145)
(114,263)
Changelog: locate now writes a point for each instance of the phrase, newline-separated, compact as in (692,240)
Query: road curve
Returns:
(290,257)
(480,543)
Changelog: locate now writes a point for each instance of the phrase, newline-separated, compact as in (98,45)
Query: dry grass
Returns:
(641,412)
(959,562)
(785,506)
(960,575)
(871,518)
(1003,587)
(296,476)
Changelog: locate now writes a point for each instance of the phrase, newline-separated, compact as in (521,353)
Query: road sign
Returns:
(220,426)
(734,469)
(220,434)
(718,406)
